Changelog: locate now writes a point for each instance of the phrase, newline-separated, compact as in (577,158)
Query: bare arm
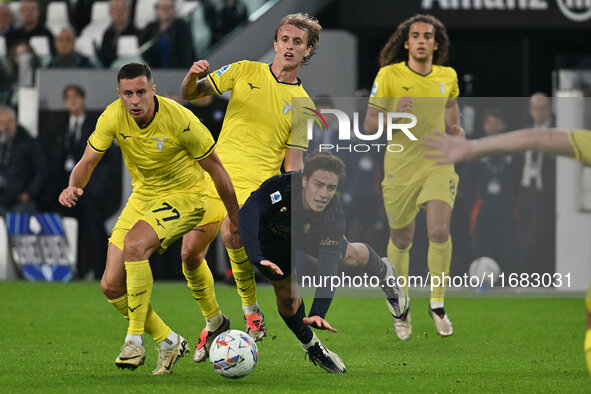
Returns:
(192,87)
(371,122)
(452,118)
(79,177)
(224,187)
(372,119)
(451,149)
(294,160)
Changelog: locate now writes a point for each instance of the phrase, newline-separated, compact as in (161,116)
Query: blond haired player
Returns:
(412,80)
(256,137)
(575,144)
(166,150)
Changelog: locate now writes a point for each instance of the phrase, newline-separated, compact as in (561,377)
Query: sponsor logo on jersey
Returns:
(441,87)
(329,242)
(252,86)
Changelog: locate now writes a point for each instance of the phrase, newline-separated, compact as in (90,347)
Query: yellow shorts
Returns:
(171,216)
(216,210)
(403,202)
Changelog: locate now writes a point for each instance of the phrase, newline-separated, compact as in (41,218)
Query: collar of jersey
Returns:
(156,107)
(298,83)
(422,75)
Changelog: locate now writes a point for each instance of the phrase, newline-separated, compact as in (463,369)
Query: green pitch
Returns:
(65,337)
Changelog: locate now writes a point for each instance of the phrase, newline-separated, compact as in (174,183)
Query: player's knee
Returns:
(401,242)
(111,290)
(354,255)
(192,256)
(439,234)
(134,249)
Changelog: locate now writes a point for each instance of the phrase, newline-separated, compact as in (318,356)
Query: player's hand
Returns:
(319,323)
(405,104)
(69,196)
(449,149)
(458,131)
(272,266)
(199,68)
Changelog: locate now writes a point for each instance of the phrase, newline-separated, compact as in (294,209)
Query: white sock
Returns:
(170,341)
(436,303)
(313,341)
(137,339)
(249,309)
(213,323)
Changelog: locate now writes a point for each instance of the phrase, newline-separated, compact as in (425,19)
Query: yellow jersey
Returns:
(161,157)
(430,94)
(257,127)
(580,140)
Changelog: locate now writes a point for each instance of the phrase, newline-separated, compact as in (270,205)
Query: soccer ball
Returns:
(484,267)
(233,354)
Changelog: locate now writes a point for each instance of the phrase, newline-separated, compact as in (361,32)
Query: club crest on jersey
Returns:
(441,87)
(288,107)
(223,70)
(275,197)
(159,142)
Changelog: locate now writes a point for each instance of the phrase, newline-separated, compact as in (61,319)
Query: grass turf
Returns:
(65,337)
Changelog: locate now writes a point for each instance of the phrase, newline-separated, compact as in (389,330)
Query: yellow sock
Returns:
(439,260)
(244,275)
(154,325)
(139,291)
(400,258)
(200,283)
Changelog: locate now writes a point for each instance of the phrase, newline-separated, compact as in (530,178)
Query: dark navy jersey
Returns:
(266,222)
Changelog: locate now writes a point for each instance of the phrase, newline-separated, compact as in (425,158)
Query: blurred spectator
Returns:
(22,59)
(23,167)
(90,210)
(6,23)
(494,183)
(29,11)
(121,25)
(66,56)
(536,220)
(79,12)
(170,40)
(230,16)
(210,110)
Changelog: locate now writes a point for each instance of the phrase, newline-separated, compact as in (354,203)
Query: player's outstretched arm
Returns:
(451,149)
(79,177)
(224,187)
(193,87)
(319,323)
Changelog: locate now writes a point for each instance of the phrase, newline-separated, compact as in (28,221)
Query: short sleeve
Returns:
(455,90)
(298,136)
(198,141)
(224,78)
(379,90)
(104,133)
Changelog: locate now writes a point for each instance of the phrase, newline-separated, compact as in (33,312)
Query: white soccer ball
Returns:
(233,354)
(483,267)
